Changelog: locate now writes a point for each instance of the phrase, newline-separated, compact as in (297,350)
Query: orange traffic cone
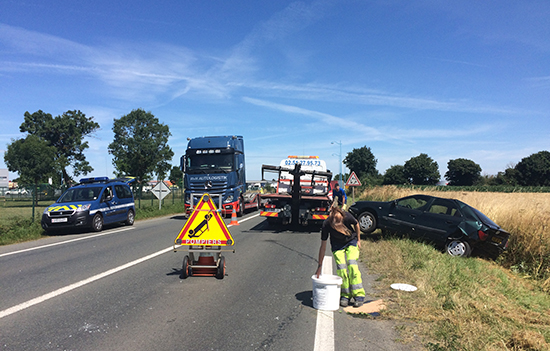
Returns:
(234,218)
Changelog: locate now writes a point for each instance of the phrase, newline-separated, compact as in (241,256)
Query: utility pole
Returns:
(340,157)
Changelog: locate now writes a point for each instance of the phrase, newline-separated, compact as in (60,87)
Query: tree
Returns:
(33,158)
(140,145)
(463,172)
(534,170)
(362,162)
(66,133)
(176,176)
(395,175)
(422,170)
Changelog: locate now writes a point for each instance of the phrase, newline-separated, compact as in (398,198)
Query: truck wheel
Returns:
(97,223)
(240,211)
(367,222)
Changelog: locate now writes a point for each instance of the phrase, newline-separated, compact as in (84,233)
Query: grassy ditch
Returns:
(466,304)
(525,215)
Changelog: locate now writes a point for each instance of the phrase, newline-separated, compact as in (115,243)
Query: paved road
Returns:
(120,290)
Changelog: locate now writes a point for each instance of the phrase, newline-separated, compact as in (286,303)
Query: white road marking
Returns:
(68,288)
(324,328)
(65,242)
(81,283)
(244,219)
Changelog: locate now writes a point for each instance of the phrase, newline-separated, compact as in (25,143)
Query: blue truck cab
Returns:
(91,204)
(215,165)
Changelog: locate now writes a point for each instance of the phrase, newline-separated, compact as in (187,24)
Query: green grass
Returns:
(19,229)
(153,211)
(461,304)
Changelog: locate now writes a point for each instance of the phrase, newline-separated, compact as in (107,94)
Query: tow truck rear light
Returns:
(269,206)
(321,209)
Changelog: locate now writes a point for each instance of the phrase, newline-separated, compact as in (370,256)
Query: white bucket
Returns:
(326,292)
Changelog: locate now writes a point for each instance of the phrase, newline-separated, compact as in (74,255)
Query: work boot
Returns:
(358,301)
(344,301)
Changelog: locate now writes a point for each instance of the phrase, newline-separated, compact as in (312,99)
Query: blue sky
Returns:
(468,79)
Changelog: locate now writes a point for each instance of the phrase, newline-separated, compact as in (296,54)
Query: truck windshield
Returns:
(210,162)
(80,194)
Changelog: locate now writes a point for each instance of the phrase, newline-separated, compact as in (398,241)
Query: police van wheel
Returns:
(130,218)
(97,223)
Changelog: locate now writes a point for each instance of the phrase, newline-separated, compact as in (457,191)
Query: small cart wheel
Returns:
(185,269)
(220,272)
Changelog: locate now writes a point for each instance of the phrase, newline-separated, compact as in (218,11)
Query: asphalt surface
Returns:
(121,290)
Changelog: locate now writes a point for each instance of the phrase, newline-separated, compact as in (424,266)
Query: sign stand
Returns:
(204,233)
(160,191)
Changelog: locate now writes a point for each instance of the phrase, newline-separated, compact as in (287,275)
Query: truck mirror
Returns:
(182,163)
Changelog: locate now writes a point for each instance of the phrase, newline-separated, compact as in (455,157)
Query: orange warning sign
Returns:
(205,226)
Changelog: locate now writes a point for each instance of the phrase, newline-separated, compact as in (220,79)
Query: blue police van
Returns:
(91,204)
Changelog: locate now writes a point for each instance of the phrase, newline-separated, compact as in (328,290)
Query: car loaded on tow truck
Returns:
(302,193)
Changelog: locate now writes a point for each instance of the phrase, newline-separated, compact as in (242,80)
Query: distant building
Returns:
(4,181)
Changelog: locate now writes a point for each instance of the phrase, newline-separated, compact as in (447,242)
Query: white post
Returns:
(160,195)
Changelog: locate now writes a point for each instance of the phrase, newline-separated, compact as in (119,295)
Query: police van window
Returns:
(107,193)
(123,192)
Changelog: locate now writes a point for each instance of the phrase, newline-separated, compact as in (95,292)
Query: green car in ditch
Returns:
(449,224)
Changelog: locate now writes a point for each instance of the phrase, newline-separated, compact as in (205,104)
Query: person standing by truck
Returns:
(339,196)
(345,242)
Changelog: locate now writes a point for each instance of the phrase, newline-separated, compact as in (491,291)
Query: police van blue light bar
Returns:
(94,179)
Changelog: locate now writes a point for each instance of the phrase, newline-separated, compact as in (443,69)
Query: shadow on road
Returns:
(306,297)
(80,230)
(264,226)
(179,217)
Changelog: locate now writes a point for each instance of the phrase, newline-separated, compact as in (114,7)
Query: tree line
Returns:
(55,145)
(533,170)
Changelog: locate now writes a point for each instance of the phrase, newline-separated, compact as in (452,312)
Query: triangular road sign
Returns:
(353,180)
(205,226)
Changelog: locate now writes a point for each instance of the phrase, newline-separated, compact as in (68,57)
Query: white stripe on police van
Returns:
(92,212)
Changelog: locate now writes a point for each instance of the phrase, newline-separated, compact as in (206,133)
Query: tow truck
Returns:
(302,194)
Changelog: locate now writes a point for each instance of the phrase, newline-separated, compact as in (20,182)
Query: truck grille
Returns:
(213,187)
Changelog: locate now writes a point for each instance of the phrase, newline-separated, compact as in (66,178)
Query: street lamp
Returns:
(340,155)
